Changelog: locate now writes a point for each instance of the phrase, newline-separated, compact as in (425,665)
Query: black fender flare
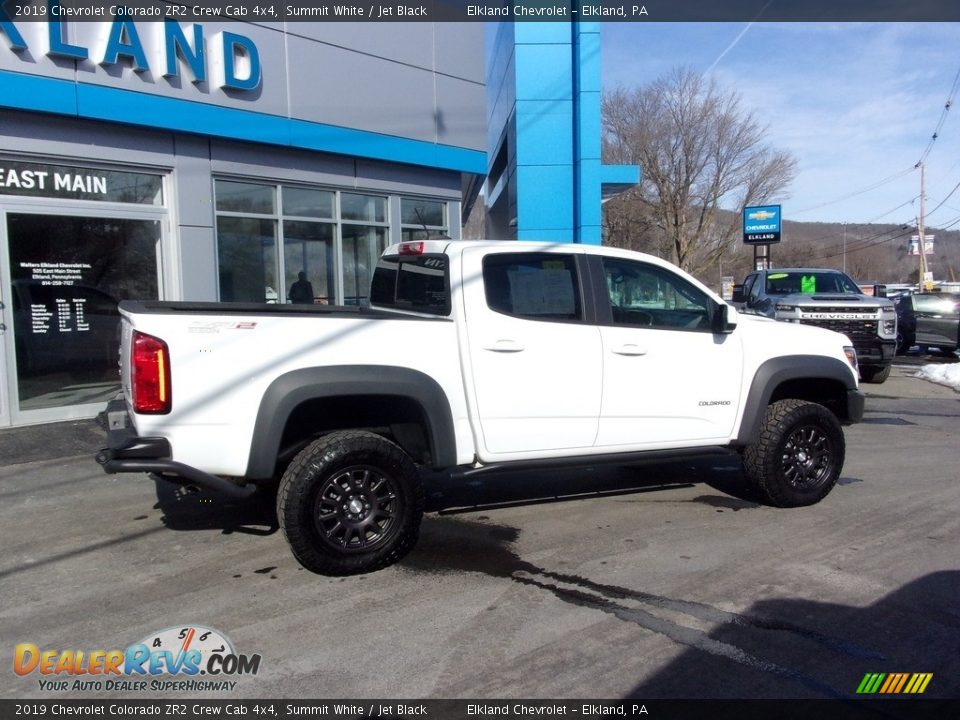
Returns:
(772,373)
(291,389)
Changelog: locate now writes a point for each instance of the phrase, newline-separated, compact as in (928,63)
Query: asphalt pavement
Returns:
(664,580)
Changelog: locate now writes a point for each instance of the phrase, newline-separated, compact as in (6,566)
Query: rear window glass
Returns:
(420,283)
(538,286)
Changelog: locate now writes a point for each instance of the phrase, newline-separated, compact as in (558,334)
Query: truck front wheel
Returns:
(874,374)
(351,502)
(799,455)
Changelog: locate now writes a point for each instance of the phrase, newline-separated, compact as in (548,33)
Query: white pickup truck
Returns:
(472,356)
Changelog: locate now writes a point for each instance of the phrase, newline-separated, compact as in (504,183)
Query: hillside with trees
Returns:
(874,252)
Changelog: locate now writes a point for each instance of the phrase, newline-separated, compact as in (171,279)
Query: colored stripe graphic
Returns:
(918,683)
(870,683)
(894,683)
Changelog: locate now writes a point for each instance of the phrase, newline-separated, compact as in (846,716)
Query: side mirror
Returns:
(724,319)
(738,296)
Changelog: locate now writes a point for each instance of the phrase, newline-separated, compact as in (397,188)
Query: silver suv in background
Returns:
(828,299)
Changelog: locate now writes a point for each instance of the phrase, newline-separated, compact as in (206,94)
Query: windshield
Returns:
(808,283)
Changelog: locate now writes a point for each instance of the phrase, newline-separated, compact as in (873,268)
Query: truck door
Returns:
(534,358)
(667,378)
(936,318)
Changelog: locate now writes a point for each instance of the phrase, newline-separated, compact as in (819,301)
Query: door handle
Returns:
(508,346)
(630,349)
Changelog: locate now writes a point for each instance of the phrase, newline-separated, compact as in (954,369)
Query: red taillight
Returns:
(150,375)
(412,248)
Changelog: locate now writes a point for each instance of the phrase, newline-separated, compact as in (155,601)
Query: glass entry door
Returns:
(67,273)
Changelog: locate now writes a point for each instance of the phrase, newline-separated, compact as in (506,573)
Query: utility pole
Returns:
(921,244)
(844,247)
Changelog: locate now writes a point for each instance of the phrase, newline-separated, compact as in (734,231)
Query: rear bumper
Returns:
(127,452)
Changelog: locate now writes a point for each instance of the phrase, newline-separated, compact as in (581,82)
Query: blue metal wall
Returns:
(545,174)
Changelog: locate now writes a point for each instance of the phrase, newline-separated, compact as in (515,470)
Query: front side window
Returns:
(936,304)
(534,286)
(643,295)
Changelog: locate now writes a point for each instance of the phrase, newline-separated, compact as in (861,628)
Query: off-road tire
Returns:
(904,343)
(351,502)
(875,375)
(799,455)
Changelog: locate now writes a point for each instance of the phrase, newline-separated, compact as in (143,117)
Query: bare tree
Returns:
(699,152)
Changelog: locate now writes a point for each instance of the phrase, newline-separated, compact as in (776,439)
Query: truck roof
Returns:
(455,247)
(802,270)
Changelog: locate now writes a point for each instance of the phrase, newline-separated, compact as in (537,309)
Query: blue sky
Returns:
(856,103)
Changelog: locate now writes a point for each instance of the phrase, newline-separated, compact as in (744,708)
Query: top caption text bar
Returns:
(267,11)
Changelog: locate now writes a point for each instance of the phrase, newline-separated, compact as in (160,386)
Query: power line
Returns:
(852,226)
(867,189)
(870,242)
(955,187)
(943,119)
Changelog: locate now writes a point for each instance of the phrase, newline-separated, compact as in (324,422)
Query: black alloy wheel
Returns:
(350,502)
(356,509)
(798,456)
(808,458)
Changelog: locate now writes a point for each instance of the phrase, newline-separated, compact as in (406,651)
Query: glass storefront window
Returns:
(308,249)
(362,246)
(246,255)
(305,202)
(409,234)
(29,179)
(244,197)
(68,274)
(423,212)
(364,208)
(423,219)
(268,235)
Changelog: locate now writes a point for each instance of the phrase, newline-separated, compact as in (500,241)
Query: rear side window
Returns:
(536,286)
(420,283)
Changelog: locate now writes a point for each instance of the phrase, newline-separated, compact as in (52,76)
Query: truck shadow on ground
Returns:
(191,509)
(911,631)
(778,648)
(188,508)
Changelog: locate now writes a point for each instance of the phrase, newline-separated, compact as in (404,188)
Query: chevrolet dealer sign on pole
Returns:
(761,228)
(761,225)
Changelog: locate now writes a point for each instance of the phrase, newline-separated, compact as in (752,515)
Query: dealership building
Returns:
(220,161)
